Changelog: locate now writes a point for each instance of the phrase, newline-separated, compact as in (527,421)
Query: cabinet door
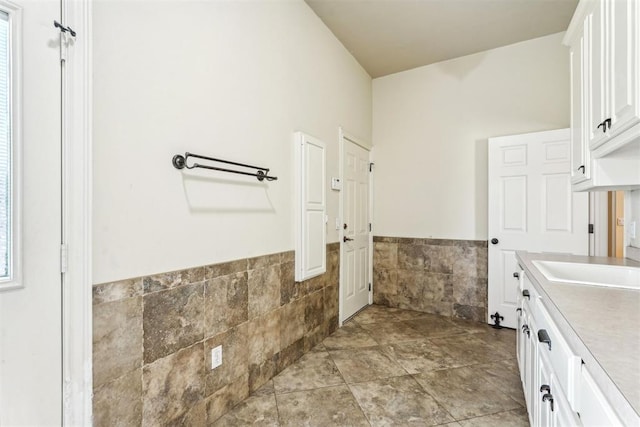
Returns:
(562,414)
(520,340)
(595,410)
(596,41)
(624,46)
(580,154)
(543,408)
(526,371)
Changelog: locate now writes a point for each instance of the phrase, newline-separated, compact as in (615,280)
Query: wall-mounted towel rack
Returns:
(180,162)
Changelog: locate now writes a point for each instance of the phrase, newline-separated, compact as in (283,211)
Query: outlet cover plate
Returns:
(216,357)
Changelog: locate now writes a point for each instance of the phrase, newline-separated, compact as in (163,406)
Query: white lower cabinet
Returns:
(594,408)
(552,408)
(558,389)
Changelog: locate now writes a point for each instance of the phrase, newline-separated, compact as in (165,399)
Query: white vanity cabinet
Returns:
(604,42)
(577,360)
(547,368)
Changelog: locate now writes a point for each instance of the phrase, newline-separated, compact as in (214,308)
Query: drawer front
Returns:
(564,362)
(594,408)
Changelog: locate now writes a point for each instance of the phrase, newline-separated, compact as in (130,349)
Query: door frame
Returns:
(342,136)
(77,281)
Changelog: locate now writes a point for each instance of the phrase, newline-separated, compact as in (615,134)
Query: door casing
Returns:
(77,160)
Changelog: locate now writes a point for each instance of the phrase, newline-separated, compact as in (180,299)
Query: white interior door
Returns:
(355,235)
(30,312)
(531,208)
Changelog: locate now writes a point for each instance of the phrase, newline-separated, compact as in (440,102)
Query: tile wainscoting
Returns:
(447,277)
(152,337)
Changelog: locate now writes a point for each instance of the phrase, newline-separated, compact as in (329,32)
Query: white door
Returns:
(30,313)
(355,236)
(531,208)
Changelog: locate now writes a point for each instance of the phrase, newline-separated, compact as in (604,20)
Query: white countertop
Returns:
(602,326)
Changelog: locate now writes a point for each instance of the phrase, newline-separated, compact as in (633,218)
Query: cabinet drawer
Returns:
(594,408)
(564,362)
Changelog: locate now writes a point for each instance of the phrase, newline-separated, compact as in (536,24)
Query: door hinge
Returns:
(590,228)
(64,257)
(371,167)
(369,287)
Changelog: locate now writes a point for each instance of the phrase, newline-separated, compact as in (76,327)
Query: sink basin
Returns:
(590,274)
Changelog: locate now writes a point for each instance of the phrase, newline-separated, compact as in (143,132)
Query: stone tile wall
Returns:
(447,277)
(152,337)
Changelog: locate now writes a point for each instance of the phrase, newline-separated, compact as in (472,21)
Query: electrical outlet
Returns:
(216,357)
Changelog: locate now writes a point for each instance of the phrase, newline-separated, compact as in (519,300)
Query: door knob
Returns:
(494,241)
(346,239)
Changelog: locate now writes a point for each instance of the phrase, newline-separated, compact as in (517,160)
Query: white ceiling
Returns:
(388,36)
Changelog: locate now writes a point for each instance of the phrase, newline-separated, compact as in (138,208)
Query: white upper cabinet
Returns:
(624,50)
(604,41)
(580,154)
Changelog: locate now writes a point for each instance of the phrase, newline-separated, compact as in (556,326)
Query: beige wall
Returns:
(226,79)
(430,130)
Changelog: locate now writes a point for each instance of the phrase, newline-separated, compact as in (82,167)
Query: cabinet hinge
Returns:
(64,256)
(590,228)
(369,227)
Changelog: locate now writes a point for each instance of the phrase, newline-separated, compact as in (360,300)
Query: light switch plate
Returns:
(336,184)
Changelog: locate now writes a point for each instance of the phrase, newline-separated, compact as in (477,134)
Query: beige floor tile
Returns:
(465,392)
(375,314)
(392,332)
(358,365)
(398,401)
(421,356)
(434,326)
(351,335)
(313,370)
(515,418)
(331,406)
(506,377)
(255,410)
(469,349)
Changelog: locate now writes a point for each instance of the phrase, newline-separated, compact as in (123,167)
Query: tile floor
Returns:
(391,367)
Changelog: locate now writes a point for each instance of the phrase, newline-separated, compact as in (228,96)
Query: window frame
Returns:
(14,279)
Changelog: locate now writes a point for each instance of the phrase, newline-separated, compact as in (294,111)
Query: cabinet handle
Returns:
(525,293)
(518,310)
(526,330)
(548,397)
(516,275)
(543,337)
(605,125)
(544,388)
(346,239)
(581,167)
